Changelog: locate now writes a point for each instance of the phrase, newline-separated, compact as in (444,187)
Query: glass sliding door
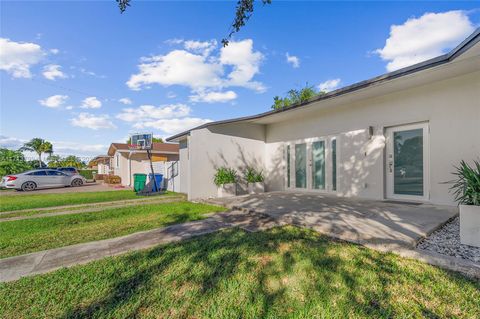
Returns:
(301,165)
(318,165)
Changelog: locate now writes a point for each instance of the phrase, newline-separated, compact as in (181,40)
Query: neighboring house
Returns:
(101,163)
(125,162)
(396,136)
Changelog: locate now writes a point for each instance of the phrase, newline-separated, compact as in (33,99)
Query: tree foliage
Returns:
(295,96)
(12,162)
(243,12)
(38,146)
(68,161)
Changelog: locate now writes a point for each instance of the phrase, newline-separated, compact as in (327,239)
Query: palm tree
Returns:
(38,146)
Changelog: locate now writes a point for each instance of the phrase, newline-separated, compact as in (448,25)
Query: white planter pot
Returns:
(470,225)
(256,188)
(227,190)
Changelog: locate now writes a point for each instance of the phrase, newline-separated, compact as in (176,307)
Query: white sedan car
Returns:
(41,178)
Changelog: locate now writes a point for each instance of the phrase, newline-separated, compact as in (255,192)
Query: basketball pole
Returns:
(151,167)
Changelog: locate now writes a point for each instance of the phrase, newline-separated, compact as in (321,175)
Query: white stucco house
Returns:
(125,163)
(396,136)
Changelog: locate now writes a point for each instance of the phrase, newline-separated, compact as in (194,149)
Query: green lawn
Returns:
(283,273)
(25,236)
(17,202)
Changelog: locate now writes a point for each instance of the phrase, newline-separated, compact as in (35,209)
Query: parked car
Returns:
(68,170)
(41,178)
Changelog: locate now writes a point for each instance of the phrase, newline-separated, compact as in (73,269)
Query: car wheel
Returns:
(28,186)
(77,182)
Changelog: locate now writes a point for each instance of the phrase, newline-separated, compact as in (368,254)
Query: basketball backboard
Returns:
(141,141)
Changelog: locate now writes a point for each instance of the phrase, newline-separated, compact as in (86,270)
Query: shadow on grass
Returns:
(283,272)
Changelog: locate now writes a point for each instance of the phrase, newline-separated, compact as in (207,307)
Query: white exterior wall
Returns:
(451,107)
(234,145)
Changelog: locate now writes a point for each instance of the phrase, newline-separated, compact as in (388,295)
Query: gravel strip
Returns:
(446,241)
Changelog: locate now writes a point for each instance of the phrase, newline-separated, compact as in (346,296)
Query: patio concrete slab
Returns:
(382,225)
(14,268)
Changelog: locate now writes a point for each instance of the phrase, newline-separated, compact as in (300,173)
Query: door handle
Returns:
(390,166)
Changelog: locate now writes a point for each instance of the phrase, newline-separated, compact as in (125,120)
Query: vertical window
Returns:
(334,164)
(301,165)
(117,164)
(288,165)
(318,165)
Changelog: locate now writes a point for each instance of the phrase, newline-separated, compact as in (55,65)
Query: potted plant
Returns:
(254,180)
(226,180)
(466,190)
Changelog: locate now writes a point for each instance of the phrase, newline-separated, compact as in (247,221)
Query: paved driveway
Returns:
(88,187)
(381,225)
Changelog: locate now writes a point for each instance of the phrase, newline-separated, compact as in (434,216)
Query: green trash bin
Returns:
(139,181)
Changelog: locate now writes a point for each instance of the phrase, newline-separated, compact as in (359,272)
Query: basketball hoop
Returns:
(141,141)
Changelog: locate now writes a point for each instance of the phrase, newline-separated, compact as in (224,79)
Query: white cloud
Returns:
(169,119)
(213,97)
(329,85)
(16,58)
(54,51)
(172,126)
(245,63)
(293,60)
(125,100)
(420,39)
(53,71)
(150,112)
(92,121)
(54,101)
(202,70)
(91,103)
(171,95)
(11,142)
(67,148)
(204,47)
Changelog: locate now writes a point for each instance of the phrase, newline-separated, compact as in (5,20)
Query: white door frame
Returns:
(309,162)
(390,161)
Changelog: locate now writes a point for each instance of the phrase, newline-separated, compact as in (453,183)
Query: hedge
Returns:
(87,173)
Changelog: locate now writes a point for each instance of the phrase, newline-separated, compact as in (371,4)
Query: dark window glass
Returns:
(39,173)
(55,173)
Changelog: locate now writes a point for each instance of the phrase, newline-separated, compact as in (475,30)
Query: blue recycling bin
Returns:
(158,179)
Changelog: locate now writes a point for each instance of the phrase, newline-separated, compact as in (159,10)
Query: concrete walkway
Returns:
(14,268)
(381,225)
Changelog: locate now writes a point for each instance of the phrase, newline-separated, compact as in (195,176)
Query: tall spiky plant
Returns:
(466,187)
(38,146)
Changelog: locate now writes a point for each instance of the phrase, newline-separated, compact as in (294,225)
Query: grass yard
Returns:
(282,273)
(29,235)
(17,202)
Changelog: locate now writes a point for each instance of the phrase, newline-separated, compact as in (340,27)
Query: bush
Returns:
(225,175)
(466,188)
(100,177)
(87,173)
(253,176)
(112,179)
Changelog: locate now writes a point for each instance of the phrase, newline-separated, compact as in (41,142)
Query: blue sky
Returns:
(82,75)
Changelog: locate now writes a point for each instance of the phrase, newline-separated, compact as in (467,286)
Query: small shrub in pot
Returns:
(254,180)
(466,189)
(226,180)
